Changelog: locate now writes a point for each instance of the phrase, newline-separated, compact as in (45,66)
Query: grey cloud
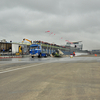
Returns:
(54,6)
(74,20)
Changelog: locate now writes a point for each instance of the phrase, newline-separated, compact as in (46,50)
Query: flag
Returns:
(51,33)
(47,31)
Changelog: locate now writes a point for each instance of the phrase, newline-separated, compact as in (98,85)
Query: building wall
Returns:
(5,46)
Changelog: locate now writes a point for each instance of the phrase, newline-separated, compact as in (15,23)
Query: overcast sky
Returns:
(73,20)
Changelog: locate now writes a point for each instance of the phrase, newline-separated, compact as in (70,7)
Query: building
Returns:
(75,45)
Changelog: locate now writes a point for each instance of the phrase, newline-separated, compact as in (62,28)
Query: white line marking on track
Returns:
(22,68)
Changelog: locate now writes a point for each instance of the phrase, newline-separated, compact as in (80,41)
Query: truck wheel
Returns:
(32,56)
(39,55)
(46,55)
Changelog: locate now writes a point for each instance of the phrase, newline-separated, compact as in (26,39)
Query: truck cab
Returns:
(36,50)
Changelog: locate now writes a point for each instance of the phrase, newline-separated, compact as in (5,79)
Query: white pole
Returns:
(47,48)
(50,47)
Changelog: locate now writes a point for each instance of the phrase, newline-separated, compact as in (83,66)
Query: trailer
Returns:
(19,48)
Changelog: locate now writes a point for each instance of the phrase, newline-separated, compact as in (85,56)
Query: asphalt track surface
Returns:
(50,78)
(50,59)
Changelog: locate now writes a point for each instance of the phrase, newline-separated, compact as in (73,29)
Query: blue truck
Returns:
(36,51)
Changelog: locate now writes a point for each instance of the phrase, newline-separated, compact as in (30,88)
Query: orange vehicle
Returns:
(27,40)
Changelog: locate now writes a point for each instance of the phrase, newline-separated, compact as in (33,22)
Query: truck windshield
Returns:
(33,47)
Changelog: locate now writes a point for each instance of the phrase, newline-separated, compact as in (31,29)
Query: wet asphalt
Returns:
(50,59)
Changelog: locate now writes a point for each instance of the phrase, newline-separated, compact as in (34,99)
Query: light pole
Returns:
(52,47)
(47,47)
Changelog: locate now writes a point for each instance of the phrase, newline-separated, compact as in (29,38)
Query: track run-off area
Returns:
(65,78)
(12,64)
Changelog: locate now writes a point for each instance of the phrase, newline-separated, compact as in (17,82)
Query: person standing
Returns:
(73,53)
(3,49)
